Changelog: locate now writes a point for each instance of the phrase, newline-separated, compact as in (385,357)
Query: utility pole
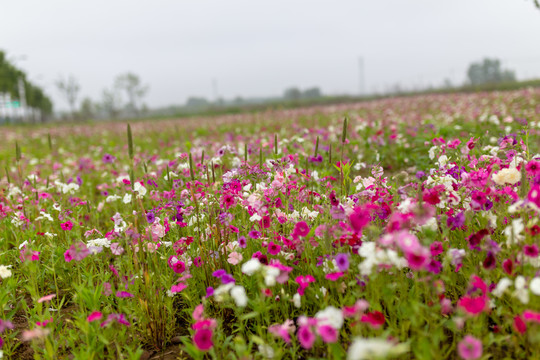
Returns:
(215,89)
(361,79)
(22,98)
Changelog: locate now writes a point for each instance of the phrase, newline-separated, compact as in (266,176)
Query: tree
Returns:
(111,103)
(197,102)
(69,88)
(131,85)
(312,93)
(88,109)
(292,93)
(9,81)
(489,72)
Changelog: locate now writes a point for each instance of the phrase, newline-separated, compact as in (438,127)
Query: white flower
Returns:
(44,215)
(112,198)
(4,272)
(297,300)
(367,349)
(266,351)
(251,266)
(99,243)
(141,190)
(255,217)
(126,199)
(238,293)
(521,293)
(219,293)
(270,275)
(535,286)
(513,232)
(330,316)
(503,284)
(507,176)
(23,244)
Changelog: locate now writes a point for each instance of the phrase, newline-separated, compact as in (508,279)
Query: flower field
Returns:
(403,228)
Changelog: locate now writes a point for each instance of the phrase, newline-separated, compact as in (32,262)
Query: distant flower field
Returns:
(403,228)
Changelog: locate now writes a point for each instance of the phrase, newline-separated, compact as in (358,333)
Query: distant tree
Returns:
(88,109)
(292,93)
(135,91)
(489,72)
(197,102)
(312,93)
(9,81)
(111,103)
(69,88)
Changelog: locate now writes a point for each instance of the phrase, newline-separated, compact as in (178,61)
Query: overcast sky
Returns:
(259,48)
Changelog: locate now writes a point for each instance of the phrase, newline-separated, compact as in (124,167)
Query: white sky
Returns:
(259,48)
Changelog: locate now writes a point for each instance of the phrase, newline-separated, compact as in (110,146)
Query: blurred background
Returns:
(67,60)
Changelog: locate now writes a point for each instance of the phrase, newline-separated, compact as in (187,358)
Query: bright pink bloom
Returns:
(47,298)
(178,288)
(96,315)
(306,337)
(303,282)
(203,339)
(124,294)
(470,348)
(530,315)
(119,318)
(301,229)
(328,333)
(359,219)
(334,276)
(375,319)
(473,305)
(76,252)
(273,248)
(519,324)
(68,225)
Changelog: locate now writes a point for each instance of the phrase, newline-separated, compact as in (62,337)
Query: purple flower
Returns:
(227,279)
(209,291)
(242,242)
(108,159)
(420,175)
(150,217)
(254,234)
(219,273)
(342,261)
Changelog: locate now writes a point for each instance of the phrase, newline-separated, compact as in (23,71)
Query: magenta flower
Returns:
(124,294)
(203,339)
(303,282)
(359,219)
(306,337)
(273,248)
(96,315)
(301,229)
(375,319)
(119,318)
(178,288)
(328,333)
(342,261)
(470,348)
(68,225)
(473,305)
(76,252)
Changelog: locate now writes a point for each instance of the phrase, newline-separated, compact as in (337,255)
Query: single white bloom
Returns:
(126,199)
(266,351)
(251,266)
(330,316)
(297,300)
(535,286)
(141,190)
(238,293)
(507,176)
(503,284)
(4,272)
(255,217)
(367,349)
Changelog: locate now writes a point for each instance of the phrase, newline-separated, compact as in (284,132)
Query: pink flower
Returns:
(334,276)
(534,195)
(76,252)
(116,249)
(203,339)
(530,315)
(234,258)
(283,331)
(273,248)
(177,265)
(359,219)
(519,325)
(119,318)
(417,258)
(473,305)
(470,348)
(303,282)
(28,255)
(178,288)
(306,337)
(96,315)
(328,333)
(124,294)
(375,319)
(47,298)
(198,313)
(301,229)
(44,322)
(533,168)
(68,225)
